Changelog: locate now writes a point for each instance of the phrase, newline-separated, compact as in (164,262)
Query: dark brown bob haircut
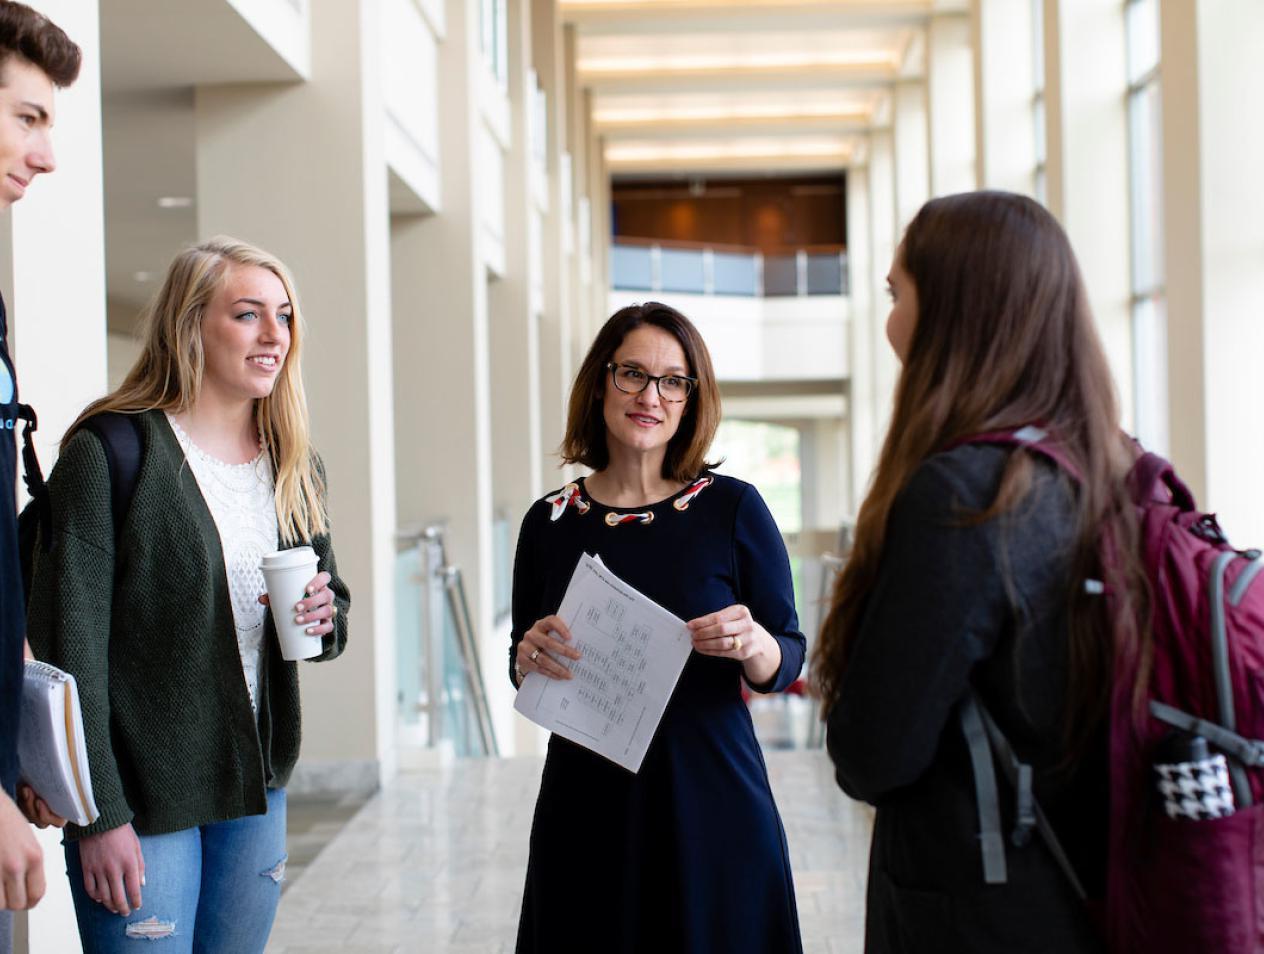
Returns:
(585,440)
(38,40)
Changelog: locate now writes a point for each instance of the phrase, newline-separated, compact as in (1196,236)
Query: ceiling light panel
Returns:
(602,55)
(771,150)
(622,112)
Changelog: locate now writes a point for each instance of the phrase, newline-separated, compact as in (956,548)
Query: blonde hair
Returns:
(168,376)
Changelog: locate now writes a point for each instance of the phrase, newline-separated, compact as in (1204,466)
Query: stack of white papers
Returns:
(52,755)
(633,653)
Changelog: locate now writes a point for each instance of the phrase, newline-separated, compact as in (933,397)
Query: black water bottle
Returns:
(1193,782)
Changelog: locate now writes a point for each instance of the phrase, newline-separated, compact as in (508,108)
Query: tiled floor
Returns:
(434,863)
(311,823)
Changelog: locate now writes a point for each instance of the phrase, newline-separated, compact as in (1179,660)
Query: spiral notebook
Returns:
(52,755)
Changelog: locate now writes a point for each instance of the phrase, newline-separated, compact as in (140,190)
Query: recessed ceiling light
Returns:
(143,277)
(175,202)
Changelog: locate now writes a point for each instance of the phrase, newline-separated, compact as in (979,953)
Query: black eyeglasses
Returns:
(631,380)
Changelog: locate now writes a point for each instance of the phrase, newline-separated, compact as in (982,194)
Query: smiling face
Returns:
(644,423)
(245,334)
(26,122)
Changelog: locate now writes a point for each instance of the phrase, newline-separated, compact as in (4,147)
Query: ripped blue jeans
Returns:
(208,889)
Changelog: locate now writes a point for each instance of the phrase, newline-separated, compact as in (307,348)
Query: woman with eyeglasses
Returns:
(688,854)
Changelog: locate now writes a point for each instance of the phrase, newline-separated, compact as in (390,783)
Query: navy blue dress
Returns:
(692,851)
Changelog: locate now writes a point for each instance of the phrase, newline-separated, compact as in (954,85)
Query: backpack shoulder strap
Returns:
(32,473)
(120,437)
(1033,438)
(1151,472)
(38,513)
(985,738)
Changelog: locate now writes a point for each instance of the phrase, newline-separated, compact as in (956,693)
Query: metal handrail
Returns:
(454,584)
(458,605)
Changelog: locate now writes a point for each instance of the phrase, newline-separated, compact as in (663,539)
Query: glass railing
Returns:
(441,695)
(502,566)
(639,265)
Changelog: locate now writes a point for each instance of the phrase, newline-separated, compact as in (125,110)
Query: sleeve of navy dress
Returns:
(526,585)
(766,586)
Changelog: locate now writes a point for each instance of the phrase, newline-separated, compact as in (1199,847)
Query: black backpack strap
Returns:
(1028,812)
(32,474)
(120,437)
(39,512)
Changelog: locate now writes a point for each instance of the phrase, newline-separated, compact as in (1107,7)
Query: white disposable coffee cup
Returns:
(286,574)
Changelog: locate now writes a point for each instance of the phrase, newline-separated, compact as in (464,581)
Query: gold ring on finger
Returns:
(737,643)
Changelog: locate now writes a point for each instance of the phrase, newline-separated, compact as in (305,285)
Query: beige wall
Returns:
(324,212)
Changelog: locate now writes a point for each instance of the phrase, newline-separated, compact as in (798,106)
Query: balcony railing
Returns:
(654,266)
(441,692)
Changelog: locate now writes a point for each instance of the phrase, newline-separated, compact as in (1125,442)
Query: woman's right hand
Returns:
(113,868)
(547,638)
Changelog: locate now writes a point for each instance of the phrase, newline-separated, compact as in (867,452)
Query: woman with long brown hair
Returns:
(969,571)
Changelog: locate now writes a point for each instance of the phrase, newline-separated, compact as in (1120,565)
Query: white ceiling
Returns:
(701,87)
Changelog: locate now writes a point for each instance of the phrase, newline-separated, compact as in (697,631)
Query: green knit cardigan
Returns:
(145,625)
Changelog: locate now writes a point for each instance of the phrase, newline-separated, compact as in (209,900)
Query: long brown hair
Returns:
(1004,338)
(585,439)
(168,376)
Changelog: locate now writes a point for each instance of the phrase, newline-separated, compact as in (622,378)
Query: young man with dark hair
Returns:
(36,56)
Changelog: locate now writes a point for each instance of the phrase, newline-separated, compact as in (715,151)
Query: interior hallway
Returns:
(435,863)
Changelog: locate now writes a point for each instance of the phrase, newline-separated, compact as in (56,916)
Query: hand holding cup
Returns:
(302,611)
(316,609)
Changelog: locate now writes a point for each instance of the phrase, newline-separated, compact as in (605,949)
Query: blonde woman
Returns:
(192,717)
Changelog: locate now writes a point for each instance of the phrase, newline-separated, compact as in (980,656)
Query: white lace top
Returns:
(240,498)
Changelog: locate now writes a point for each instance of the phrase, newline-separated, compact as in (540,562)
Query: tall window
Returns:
(494,37)
(1149,304)
(1040,189)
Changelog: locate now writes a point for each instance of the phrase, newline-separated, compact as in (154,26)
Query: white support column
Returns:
(862,431)
(599,212)
(323,210)
(950,104)
(1003,47)
(52,275)
(577,149)
(440,286)
(911,144)
(884,238)
(1213,210)
(515,355)
(555,323)
(1088,161)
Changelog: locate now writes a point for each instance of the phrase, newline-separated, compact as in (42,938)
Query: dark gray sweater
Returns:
(939,619)
(146,628)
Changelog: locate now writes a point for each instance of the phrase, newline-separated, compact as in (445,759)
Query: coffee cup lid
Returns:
(283,559)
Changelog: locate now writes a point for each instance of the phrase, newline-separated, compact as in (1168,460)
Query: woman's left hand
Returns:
(731,633)
(316,608)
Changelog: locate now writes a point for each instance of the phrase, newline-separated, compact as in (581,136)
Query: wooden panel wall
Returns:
(767,214)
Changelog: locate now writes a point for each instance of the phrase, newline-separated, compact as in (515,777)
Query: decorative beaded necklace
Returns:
(570,495)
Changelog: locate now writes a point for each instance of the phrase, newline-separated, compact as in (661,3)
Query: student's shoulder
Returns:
(739,499)
(967,472)
(967,478)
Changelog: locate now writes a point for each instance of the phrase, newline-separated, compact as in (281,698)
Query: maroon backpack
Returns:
(1174,884)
